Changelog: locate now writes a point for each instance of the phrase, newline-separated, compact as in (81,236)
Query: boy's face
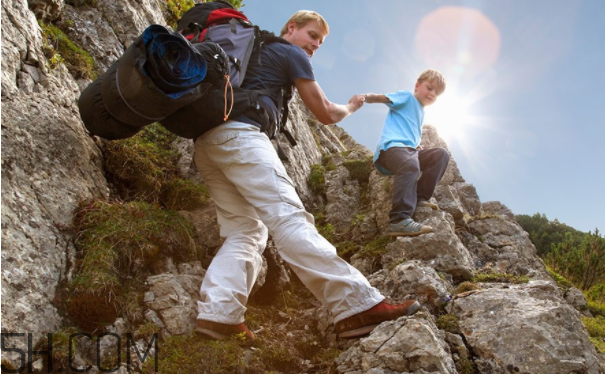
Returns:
(426,92)
(309,37)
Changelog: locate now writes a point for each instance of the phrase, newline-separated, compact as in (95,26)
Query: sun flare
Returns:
(450,115)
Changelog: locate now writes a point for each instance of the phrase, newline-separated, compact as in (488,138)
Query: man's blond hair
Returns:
(302,17)
(435,77)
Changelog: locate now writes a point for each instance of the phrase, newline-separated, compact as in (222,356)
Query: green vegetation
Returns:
(328,163)
(449,323)
(376,247)
(184,194)
(596,299)
(175,10)
(563,283)
(465,287)
(144,167)
(317,181)
(116,242)
(492,277)
(58,48)
(573,258)
(360,169)
(596,331)
(580,258)
(544,233)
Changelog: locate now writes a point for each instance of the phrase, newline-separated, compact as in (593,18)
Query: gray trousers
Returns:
(417,173)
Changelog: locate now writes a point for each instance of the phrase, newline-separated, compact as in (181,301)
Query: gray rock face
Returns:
(407,345)
(49,165)
(171,298)
(524,328)
(440,249)
(414,280)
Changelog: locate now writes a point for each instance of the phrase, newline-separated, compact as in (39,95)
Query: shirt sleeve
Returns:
(300,64)
(398,99)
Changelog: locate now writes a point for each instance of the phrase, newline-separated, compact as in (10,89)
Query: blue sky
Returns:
(524,111)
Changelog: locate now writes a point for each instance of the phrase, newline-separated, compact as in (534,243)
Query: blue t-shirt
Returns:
(280,65)
(403,125)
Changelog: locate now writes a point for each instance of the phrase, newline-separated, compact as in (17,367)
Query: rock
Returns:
(407,345)
(537,331)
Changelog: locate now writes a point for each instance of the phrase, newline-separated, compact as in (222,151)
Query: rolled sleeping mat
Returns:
(97,120)
(173,64)
(200,116)
(131,94)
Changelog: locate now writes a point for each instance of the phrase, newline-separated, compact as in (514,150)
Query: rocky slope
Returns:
(50,164)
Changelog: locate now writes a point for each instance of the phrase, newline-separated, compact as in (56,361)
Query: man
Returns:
(254,197)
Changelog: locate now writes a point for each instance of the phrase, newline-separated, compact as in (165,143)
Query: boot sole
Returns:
(368,329)
(211,334)
(416,233)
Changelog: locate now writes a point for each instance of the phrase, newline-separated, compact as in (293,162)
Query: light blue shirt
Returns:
(403,125)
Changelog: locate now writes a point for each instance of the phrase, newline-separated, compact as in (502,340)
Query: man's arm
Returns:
(324,110)
(371,98)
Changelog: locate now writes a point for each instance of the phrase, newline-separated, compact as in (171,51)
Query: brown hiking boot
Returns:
(363,323)
(221,331)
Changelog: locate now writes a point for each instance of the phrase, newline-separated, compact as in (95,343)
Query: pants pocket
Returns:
(287,190)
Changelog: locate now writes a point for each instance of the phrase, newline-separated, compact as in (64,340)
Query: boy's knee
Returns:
(444,154)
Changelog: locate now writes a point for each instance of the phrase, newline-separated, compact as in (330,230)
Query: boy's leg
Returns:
(249,162)
(403,162)
(433,163)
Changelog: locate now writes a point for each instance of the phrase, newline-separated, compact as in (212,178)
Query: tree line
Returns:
(578,256)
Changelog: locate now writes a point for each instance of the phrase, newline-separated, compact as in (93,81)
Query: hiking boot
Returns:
(408,227)
(427,204)
(221,331)
(363,323)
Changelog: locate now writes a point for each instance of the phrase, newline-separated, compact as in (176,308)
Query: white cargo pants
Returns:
(253,192)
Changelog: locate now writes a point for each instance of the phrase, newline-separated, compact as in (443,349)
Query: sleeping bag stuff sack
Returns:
(97,119)
(158,73)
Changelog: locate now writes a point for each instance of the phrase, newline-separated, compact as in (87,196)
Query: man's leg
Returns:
(433,163)
(251,164)
(231,275)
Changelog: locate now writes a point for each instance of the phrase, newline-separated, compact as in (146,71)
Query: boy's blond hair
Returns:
(302,17)
(435,77)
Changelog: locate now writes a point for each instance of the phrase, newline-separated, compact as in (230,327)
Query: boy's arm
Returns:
(371,98)
(323,109)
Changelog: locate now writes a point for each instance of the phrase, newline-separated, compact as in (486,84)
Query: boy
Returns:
(417,171)
(254,197)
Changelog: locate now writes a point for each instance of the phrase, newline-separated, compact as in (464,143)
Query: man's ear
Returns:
(291,27)
(416,87)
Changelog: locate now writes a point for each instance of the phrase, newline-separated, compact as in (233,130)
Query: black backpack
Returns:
(218,23)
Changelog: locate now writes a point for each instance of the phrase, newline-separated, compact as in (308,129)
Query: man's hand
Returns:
(323,109)
(356,102)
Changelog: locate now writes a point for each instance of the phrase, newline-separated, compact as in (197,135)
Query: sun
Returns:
(450,115)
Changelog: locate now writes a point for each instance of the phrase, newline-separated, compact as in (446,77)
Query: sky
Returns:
(523,113)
